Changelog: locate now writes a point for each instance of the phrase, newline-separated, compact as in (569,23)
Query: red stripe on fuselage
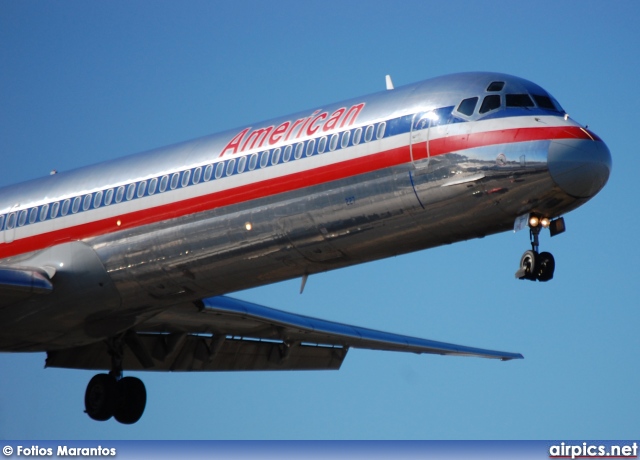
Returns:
(459,142)
(271,187)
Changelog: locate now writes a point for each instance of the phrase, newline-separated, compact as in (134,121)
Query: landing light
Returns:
(533,221)
(545,222)
(248,226)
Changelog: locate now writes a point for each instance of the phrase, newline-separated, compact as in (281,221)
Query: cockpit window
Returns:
(545,102)
(489,103)
(519,100)
(467,106)
(495,86)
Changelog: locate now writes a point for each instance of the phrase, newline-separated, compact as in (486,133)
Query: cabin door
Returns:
(420,130)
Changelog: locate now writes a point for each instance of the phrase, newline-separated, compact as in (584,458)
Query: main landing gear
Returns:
(112,395)
(534,265)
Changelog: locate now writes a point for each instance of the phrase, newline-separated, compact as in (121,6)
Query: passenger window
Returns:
(65,207)
(207,173)
(287,153)
(230,165)
(76,204)
(174,181)
(142,188)
(381,129)
(490,103)
(322,144)
(519,100)
(131,190)
(368,134)
(185,177)
(33,215)
(468,106)
(163,183)
(219,169)
(86,202)
(310,146)
(345,139)
(357,135)
(119,194)
(275,158)
(333,143)
(43,213)
(264,159)
(197,174)
(253,161)
(97,199)
(108,196)
(242,162)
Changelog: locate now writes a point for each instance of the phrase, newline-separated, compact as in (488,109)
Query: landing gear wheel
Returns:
(527,266)
(100,396)
(130,401)
(546,266)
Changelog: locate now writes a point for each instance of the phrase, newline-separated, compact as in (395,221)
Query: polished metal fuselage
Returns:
(431,178)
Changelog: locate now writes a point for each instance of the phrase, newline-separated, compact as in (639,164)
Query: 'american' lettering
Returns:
(248,139)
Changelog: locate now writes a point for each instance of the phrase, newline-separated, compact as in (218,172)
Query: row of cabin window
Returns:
(228,168)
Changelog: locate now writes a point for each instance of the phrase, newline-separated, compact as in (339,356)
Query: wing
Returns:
(225,334)
(19,283)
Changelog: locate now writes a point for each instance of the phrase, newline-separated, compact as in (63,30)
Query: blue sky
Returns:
(82,82)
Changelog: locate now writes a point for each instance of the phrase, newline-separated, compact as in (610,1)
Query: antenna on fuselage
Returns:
(305,277)
(389,82)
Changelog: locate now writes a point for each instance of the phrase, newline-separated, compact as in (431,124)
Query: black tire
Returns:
(131,400)
(528,264)
(99,399)
(546,266)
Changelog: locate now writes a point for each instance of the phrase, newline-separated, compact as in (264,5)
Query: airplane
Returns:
(127,265)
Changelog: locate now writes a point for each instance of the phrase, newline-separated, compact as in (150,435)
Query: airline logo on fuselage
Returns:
(318,121)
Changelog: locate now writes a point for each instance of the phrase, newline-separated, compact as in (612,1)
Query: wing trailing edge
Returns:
(227,334)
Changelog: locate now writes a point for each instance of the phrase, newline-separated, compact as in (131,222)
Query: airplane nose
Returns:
(580,167)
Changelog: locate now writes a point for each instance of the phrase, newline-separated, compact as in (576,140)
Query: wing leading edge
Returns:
(322,332)
(226,334)
(26,280)
(19,283)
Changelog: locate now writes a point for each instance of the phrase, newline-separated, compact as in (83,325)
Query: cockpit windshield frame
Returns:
(500,95)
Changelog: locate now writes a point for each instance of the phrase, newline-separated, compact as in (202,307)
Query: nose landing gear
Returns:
(534,265)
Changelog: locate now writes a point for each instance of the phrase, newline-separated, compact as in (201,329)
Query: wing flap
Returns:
(227,334)
(201,353)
